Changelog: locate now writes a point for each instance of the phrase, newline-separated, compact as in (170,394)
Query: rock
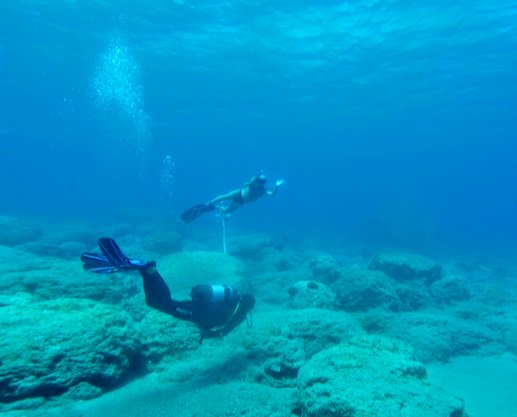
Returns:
(413,296)
(407,267)
(311,294)
(183,270)
(83,391)
(325,269)
(25,405)
(164,336)
(51,346)
(272,287)
(14,231)
(49,278)
(163,241)
(362,290)
(286,340)
(371,376)
(450,289)
(65,250)
(436,336)
(500,320)
(251,246)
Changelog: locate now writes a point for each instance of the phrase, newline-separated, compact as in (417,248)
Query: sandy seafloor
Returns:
(336,330)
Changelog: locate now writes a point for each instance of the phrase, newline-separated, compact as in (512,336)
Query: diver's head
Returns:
(260,178)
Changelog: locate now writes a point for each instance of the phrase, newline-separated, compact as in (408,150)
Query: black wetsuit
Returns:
(217,310)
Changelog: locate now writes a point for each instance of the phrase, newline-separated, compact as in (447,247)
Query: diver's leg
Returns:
(157,293)
(234,205)
(158,296)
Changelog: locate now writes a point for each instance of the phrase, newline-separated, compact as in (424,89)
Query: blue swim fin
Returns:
(112,259)
(99,264)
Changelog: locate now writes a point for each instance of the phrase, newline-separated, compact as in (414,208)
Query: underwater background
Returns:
(388,119)
(393,124)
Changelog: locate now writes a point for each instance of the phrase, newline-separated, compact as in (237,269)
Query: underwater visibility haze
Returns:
(391,243)
(388,119)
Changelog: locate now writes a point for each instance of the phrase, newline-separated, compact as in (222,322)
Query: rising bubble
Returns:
(119,95)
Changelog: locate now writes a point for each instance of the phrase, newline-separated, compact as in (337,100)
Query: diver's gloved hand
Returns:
(279,182)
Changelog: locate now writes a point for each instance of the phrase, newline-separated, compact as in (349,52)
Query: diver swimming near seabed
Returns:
(215,309)
(229,202)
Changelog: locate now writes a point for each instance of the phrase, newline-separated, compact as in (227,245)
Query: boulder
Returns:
(14,231)
(49,278)
(183,270)
(450,289)
(66,249)
(285,340)
(163,241)
(371,376)
(49,347)
(360,290)
(251,246)
(407,267)
(311,294)
(436,336)
(325,269)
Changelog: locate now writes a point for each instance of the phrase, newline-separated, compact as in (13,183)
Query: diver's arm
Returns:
(277,186)
(237,318)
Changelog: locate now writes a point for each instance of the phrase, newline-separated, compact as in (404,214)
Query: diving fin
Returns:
(194,212)
(112,259)
(96,263)
(114,254)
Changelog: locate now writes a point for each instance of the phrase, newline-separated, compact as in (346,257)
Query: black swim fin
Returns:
(194,212)
(94,262)
(112,259)
(114,254)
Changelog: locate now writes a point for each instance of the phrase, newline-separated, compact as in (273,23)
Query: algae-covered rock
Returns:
(46,348)
(450,289)
(65,249)
(325,268)
(436,336)
(413,296)
(371,376)
(14,231)
(49,278)
(163,336)
(251,246)
(282,342)
(163,241)
(407,267)
(311,294)
(273,287)
(183,270)
(360,290)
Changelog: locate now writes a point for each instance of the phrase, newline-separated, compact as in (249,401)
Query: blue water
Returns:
(392,122)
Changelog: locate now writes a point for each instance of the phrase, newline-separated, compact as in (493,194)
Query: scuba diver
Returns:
(215,309)
(229,202)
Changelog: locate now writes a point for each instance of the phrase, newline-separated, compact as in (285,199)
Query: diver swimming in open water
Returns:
(215,309)
(229,202)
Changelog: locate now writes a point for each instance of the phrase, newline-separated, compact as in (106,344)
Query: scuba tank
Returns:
(205,294)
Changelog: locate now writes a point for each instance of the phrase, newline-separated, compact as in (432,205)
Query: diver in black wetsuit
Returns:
(216,309)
